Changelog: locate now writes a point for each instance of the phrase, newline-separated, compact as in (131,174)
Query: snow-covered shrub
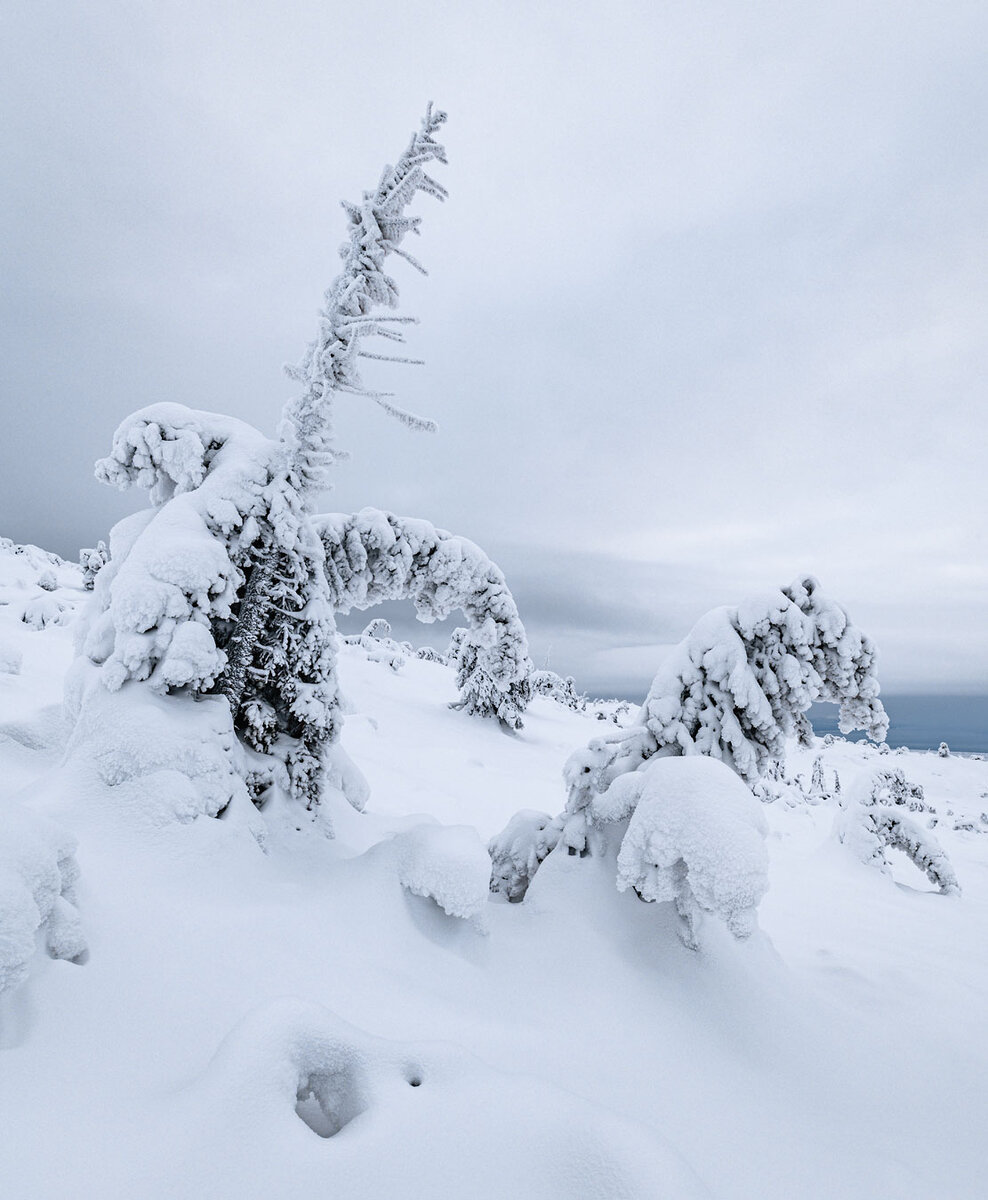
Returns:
(37,875)
(44,610)
(563,691)
(373,556)
(686,830)
(739,684)
(519,850)
(376,641)
(220,587)
(431,654)
(869,829)
(892,787)
(943,750)
(92,560)
(696,837)
(47,581)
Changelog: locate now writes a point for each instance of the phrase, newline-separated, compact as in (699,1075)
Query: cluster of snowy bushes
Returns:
(734,690)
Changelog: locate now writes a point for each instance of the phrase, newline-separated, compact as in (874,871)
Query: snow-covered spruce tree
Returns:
(220,589)
(734,689)
(373,556)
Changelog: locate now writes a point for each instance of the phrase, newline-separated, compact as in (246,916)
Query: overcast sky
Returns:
(707,305)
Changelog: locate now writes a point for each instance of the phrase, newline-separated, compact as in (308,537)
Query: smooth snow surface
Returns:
(352,1017)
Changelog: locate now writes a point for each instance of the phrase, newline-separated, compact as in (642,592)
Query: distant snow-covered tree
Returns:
(92,560)
(221,586)
(739,684)
(373,556)
(563,691)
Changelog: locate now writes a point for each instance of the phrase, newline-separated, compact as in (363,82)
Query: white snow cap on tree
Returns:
(373,556)
(696,837)
(740,683)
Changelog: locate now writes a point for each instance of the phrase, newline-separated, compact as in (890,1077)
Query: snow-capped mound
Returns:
(696,837)
(38,872)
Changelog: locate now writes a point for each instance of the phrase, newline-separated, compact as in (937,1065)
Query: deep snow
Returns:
(237,1006)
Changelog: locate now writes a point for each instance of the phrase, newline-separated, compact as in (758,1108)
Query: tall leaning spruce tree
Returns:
(220,588)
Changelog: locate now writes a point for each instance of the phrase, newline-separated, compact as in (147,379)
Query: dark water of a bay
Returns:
(923,722)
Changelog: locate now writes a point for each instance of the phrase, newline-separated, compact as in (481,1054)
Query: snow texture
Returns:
(11,658)
(696,837)
(38,872)
(373,556)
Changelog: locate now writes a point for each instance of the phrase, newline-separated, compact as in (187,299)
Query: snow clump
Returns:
(696,837)
(37,875)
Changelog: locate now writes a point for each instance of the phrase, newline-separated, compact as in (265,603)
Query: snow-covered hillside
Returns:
(359,1017)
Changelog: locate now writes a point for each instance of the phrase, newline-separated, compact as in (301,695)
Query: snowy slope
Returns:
(236,1006)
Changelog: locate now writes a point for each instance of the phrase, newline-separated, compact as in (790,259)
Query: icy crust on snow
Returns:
(373,556)
(869,826)
(404,1119)
(696,836)
(38,872)
(739,685)
(448,864)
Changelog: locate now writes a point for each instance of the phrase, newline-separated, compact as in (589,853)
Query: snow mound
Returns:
(447,863)
(37,874)
(170,757)
(696,837)
(11,659)
(404,1119)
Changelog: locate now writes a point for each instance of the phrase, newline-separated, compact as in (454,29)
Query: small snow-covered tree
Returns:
(563,691)
(221,587)
(868,825)
(92,560)
(734,689)
(373,556)
(739,684)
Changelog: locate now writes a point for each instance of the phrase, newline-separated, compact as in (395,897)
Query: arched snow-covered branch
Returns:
(373,556)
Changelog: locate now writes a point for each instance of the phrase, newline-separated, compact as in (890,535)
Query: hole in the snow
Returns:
(415,1081)
(328,1102)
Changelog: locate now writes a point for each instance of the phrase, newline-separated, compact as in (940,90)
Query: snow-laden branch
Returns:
(373,556)
(377,227)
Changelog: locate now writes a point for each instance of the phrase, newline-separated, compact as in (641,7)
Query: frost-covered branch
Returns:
(377,227)
(373,556)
